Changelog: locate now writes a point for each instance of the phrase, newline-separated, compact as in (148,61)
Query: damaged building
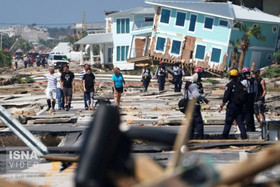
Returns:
(200,34)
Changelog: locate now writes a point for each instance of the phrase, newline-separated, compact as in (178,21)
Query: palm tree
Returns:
(249,32)
(234,53)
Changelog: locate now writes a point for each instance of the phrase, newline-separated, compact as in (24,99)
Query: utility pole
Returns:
(1,39)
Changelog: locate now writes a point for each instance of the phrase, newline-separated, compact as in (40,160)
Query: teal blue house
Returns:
(199,33)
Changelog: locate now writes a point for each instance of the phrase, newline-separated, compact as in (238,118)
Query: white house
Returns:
(114,45)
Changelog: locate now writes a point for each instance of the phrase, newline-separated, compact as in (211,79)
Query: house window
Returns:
(223,23)
(176,47)
(149,19)
(110,55)
(208,23)
(122,53)
(200,52)
(180,20)
(165,16)
(274,29)
(160,44)
(123,26)
(192,23)
(216,54)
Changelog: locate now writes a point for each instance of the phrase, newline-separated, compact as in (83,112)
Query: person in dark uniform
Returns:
(178,74)
(146,76)
(235,97)
(192,92)
(250,83)
(161,75)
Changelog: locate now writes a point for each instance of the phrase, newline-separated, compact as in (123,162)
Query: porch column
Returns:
(146,46)
(82,54)
(91,54)
(101,53)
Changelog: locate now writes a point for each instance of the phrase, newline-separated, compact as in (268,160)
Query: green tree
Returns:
(249,32)
(5,59)
(234,53)
(276,57)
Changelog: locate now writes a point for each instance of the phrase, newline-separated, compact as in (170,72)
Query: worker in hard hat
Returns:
(235,96)
(161,75)
(178,73)
(146,76)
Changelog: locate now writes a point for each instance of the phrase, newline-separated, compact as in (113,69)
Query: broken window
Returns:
(165,16)
(123,26)
(208,23)
(192,22)
(180,19)
(200,52)
(160,44)
(216,55)
(176,47)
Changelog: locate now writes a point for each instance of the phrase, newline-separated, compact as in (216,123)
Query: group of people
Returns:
(244,96)
(60,87)
(161,75)
(29,61)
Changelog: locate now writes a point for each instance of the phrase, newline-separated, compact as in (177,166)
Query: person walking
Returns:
(88,85)
(25,61)
(82,74)
(146,76)
(161,75)
(51,89)
(192,92)
(118,85)
(251,85)
(67,85)
(59,91)
(235,96)
(259,104)
(178,74)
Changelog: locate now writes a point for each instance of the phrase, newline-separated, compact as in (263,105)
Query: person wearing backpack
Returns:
(161,75)
(235,96)
(178,74)
(146,76)
(250,83)
(192,92)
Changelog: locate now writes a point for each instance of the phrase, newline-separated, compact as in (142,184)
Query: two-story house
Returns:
(199,33)
(121,29)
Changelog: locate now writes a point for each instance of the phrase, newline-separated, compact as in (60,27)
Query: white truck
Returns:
(57,60)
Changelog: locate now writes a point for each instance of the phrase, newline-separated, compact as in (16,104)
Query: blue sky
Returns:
(60,11)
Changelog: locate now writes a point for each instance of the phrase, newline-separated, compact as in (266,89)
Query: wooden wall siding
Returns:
(139,47)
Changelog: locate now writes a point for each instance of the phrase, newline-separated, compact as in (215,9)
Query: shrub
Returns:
(276,57)
(272,72)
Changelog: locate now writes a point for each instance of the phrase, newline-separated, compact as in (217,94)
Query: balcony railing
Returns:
(138,25)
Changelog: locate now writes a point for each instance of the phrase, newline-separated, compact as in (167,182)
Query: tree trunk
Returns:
(241,60)
(233,59)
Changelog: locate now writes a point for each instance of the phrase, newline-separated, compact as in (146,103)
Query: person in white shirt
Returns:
(51,88)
